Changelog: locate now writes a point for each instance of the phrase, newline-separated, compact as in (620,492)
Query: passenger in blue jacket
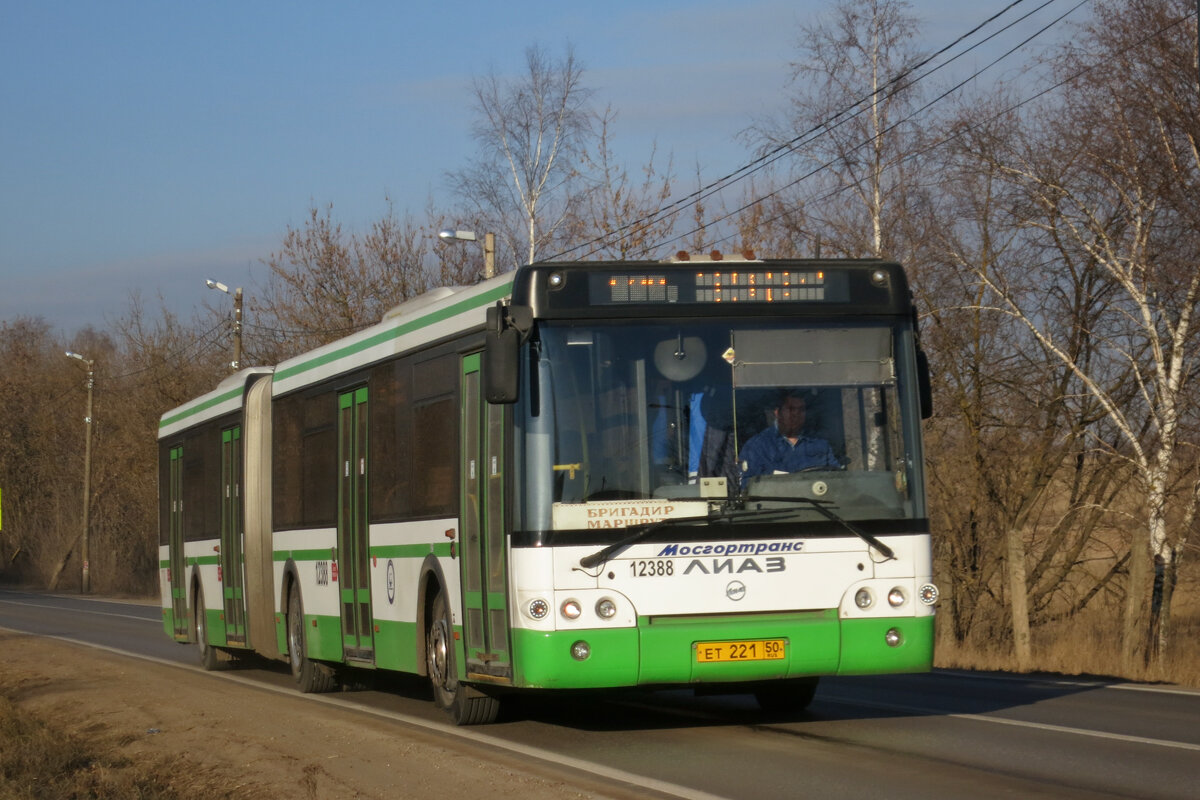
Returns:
(784,447)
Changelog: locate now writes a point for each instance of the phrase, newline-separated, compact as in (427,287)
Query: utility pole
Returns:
(489,246)
(489,251)
(237,319)
(237,328)
(87,473)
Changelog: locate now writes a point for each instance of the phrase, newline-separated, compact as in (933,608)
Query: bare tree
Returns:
(1010,472)
(619,212)
(846,126)
(1107,173)
(41,403)
(531,133)
(325,283)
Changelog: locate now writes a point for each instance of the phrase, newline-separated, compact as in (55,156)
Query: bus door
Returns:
(354,578)
(179,612)
(484,571)
(232,562)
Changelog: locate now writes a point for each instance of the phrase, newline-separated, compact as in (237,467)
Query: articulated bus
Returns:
(543,482)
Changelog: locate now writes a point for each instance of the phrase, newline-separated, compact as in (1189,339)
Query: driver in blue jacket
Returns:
(784,447)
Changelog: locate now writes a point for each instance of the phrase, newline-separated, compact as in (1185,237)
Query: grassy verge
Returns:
(39,760)
(1086,646)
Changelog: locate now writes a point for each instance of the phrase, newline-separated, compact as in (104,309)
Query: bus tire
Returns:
(210,657)
(311,677)
(466,705)
(788,696)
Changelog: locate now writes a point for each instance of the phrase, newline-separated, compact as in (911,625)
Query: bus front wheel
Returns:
(465,704)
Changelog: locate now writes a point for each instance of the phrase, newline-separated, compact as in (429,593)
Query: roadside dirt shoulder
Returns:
(244,742)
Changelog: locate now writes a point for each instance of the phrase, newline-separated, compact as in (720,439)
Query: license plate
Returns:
(748,650)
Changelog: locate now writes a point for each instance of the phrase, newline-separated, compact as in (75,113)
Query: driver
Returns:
(784,447)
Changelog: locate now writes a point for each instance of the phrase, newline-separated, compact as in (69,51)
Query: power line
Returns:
(940,142)
(918,112)
(311,331)
(834,121)
(173,356)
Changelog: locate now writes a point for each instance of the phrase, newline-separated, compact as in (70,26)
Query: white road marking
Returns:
(1121,737)
(155,620)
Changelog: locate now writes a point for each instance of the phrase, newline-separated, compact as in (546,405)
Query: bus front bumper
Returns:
(667,651)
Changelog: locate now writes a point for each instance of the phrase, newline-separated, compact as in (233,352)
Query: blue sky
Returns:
(150,145)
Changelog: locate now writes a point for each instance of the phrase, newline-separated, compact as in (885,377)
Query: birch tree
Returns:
(531,132)
(1014,484)
(845,127)
(1110,170)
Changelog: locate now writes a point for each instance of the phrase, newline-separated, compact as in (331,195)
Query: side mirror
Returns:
(500,366)
(924,385)
(501,354)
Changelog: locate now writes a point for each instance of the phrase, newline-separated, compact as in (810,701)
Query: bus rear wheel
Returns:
(310,676)
(210,657)
(465,704)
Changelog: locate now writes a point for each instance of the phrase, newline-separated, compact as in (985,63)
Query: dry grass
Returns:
(39,760)
(1088,644)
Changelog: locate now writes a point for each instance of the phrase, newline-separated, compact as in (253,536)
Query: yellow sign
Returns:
(749,650)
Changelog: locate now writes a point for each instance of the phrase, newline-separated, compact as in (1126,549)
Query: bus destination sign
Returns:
(711,286)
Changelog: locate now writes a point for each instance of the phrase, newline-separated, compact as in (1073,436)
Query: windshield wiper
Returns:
(821,507)
(641,532)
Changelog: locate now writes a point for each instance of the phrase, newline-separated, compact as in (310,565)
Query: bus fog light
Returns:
(863,599)
(606,608)
(893,637)
(571,609)
(928,594)
(581,651)
(538,609)
(896,597)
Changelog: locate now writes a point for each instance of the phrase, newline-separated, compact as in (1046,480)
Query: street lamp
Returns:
(87,472)
(237,319)
(489,247)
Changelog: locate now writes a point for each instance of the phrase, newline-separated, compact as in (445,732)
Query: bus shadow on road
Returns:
(837,699)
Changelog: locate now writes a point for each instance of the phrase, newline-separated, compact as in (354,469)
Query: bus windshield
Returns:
(759,411)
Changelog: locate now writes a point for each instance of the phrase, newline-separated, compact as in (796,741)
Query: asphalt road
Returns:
(947,734)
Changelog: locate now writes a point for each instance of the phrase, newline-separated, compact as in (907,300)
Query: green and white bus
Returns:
(537,482)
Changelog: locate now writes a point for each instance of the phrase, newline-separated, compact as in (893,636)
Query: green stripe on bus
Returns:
(319,554)
(323,635)
(390,334)
(207,404)
(439,549)
(396,646)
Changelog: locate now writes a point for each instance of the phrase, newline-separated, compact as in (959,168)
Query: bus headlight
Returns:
(571,609)
(893,637)
(863,599)
(539,608)
(896,597)
(606,608)
(581,651)
(928,593)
